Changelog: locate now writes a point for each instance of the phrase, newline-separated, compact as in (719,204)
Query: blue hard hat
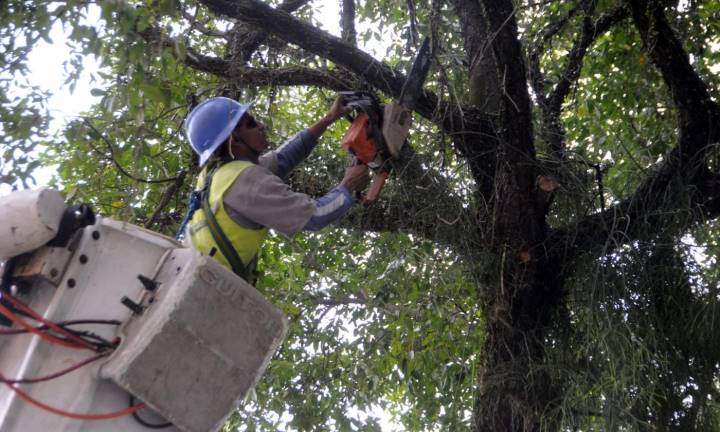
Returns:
(209,124)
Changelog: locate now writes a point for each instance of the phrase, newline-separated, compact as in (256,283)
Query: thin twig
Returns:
(111,158)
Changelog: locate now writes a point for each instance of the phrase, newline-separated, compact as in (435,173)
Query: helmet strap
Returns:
(230,146)
(231,142)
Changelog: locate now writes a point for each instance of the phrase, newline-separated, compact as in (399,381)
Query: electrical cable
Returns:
(104,416)
(99,343)
(21,306)
(143,422)
(48,337)
(96,340)
(56,374)
(7,332)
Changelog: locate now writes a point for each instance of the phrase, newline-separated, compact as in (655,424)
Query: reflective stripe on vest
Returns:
(246,241)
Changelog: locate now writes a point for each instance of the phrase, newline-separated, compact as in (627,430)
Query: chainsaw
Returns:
(378,133)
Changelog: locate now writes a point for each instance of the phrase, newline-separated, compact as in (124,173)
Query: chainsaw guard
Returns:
(396,127)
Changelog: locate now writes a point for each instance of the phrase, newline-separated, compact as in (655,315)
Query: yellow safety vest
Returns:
(245,241)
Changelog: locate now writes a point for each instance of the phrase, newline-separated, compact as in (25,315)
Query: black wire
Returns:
(97,341)
(137,418)
(88,337)
(88,321)
(8,269)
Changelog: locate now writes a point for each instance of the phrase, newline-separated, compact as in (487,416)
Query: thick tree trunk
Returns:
(515,392)
(523,291)
(524,299)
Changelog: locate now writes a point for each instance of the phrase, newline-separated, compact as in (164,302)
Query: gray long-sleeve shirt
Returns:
(259,196)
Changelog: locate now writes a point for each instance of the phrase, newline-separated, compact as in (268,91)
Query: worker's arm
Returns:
(283,160)
(258,198)
(329,208)
(338,201)
(338,109)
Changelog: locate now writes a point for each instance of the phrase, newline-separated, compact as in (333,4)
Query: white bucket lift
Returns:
(194,337)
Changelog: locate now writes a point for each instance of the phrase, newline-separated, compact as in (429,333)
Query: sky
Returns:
(45,63)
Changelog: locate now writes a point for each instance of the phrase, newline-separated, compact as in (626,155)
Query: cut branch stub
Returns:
(524,256)
(546,183)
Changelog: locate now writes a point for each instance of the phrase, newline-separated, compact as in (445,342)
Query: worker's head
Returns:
(248,140)
(211,123)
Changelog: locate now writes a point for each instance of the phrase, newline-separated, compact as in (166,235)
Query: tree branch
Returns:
(293,75)
(682,190)
(551,105)
(537,78)
(245,39)
(574,63)
(347,22)
(698,112)
(200,26)
(167,195)
(590,33)
(112,159)
(318,42)
(666,202)
(412,12)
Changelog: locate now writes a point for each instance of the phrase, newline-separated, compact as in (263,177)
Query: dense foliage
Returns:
(545,258)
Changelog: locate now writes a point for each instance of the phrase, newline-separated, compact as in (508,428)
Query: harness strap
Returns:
(225,246)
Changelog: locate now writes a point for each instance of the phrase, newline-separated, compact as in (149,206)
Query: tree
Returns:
(527,268)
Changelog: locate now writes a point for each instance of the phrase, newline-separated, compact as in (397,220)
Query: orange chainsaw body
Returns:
(357,140)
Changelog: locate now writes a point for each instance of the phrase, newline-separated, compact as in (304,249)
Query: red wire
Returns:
(19,321)
(56,374)
(18,304)
(105,416)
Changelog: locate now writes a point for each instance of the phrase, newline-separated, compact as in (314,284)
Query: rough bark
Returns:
(522,296)
(484,92)
(347,22)
(484,85)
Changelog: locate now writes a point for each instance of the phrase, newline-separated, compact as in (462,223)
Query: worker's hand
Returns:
(356,178)
(338,109)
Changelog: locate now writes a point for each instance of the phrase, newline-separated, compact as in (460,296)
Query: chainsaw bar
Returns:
(412,88)
(398,115)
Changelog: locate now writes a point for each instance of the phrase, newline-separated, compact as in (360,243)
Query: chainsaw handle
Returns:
(359,101)
(359,196)
(375,188)
(374,192)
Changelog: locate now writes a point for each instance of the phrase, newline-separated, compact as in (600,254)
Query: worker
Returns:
(243,188)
